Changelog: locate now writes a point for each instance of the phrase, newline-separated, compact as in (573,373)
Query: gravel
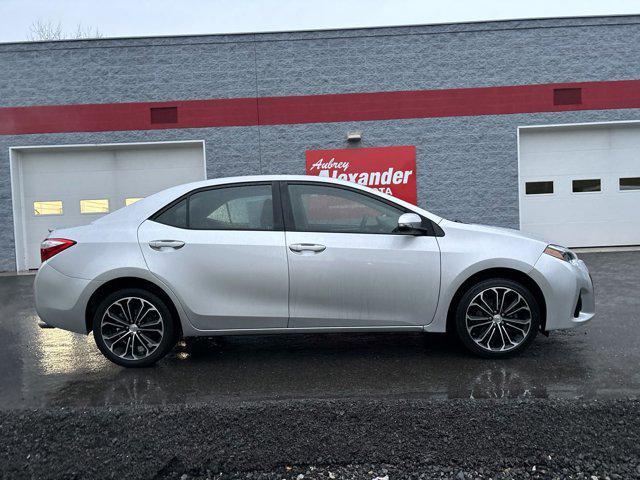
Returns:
(327,439)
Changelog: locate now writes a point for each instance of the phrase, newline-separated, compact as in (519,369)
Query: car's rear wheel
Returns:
(497,318)
(134,328)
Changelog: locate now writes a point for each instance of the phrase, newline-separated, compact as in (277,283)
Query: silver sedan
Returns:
(276,254)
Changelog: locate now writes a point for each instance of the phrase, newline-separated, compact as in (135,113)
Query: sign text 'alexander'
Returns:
(392,170)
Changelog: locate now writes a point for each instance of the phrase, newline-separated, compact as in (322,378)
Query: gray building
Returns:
(524,124)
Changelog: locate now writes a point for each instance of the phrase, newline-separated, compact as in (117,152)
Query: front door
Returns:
(222,251)
(349,267)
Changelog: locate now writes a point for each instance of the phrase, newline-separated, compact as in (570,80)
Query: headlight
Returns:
(561,253)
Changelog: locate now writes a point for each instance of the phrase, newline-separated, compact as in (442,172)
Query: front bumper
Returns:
(61,300)
(568,291)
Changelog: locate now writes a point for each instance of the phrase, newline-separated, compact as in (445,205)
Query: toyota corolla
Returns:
(282,254)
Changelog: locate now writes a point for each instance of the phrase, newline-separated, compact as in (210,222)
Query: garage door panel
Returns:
(566,141)
(591,233)
(583,205)
(114,173)
(135,183)
(625,138)
(607,217)
(573,163)
(49,183)
(171,158)
(31,163)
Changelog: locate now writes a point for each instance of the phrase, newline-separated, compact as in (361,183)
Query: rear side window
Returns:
(247,207)
(243,207)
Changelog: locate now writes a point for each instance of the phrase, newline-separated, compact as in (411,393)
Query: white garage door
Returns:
(63,187)
(580,185)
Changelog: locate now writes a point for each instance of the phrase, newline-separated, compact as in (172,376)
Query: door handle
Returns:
(159,244)
(307,247)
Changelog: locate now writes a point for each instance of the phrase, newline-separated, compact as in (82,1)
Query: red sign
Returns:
(392,170)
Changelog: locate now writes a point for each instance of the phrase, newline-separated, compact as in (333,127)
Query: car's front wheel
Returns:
(497,318)
(134,328)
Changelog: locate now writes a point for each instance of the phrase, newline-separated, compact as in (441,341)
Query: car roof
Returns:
(146,207)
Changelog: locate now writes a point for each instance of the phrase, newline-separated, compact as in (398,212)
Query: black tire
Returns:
(511,323)
(163,320)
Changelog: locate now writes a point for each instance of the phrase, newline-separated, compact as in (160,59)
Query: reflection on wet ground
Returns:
(58,368)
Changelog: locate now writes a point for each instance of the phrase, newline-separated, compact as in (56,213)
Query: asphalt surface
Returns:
(40,368)
(457,439)
(323,407)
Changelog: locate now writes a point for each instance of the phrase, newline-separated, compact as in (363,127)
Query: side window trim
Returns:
(289,223)
(287,211)
(278,225)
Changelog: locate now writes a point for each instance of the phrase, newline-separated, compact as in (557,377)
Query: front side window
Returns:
(319,208)
(243,207)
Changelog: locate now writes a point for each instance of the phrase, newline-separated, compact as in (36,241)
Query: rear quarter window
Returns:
(174,216)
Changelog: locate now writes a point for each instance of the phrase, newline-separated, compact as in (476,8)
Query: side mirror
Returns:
(409,221)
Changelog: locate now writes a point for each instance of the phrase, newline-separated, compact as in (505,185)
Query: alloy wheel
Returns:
(132,328)
(498,319)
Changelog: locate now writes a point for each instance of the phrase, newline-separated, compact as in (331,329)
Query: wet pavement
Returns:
(41,368)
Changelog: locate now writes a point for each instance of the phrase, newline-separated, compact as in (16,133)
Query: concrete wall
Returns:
(381,59)
(467,166)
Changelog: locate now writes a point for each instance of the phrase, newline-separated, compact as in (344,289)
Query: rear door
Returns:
(348,265)
(221,250)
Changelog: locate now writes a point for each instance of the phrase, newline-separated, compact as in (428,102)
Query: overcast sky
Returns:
(117,18)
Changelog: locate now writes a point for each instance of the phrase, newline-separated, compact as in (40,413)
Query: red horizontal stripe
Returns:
(102,117)
(318,108)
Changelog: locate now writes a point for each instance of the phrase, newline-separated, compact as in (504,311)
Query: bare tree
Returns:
(87,32)
(41,30)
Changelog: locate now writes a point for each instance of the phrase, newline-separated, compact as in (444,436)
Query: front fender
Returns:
(455,278)
(466,251)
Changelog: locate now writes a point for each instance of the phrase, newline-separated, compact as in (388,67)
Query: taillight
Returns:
(52,246)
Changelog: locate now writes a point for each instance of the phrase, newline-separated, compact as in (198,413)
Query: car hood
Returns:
(498,231)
